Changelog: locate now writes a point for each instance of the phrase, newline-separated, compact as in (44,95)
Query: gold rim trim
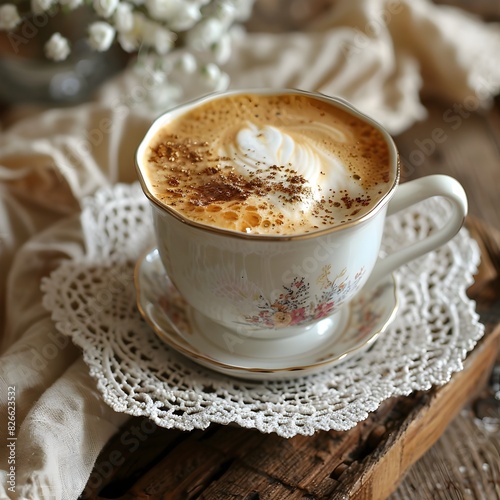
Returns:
(189,353)
(395,157)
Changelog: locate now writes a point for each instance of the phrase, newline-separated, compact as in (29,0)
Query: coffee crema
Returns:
(280,164)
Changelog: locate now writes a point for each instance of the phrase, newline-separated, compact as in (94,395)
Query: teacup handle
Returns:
(413,192)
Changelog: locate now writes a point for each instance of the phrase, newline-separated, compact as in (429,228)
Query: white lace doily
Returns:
(93,301)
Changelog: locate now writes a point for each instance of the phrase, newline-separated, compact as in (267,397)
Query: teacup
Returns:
(287,286)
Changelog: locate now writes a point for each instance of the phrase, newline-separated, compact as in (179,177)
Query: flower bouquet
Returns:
(178,42)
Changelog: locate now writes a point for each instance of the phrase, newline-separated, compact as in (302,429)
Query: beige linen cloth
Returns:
(378,54)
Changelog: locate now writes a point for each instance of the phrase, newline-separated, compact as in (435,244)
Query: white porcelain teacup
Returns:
(265,286)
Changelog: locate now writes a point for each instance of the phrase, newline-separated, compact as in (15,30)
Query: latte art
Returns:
(255,148)
(268,164)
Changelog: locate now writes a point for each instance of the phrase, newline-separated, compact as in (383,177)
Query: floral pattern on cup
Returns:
(366,311)
(295,305)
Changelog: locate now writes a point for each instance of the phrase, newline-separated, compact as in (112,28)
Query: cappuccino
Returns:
(279,164)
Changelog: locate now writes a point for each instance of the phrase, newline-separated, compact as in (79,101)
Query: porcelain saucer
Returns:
(175,323)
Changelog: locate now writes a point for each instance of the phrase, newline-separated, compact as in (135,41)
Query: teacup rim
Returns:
(339,101)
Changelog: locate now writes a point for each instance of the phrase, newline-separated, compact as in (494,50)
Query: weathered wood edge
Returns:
(384,469)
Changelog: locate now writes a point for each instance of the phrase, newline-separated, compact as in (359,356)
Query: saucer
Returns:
(176,324)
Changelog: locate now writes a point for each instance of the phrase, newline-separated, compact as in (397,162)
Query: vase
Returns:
(27,76)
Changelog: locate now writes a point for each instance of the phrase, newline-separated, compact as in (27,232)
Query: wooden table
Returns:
(443,443)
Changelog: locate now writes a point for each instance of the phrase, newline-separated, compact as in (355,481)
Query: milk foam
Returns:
(269,164)
(255,148)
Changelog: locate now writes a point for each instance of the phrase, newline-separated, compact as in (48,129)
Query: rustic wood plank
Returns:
(251,484)
(463,464)
(183,474)
(131,452)
(385,468)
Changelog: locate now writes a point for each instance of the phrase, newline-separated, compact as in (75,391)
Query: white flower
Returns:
(163,10)
(40,6)
(186,16)
(163,40)
(131,40)
(101,36)
(222,83)
(222,49)
(211,72)
(226,12)
(128,42)
(184,40)
(182,68)
(124,17)
(186,64)
(205,34)
(213,76)
(242,9)
(71,4)
(158,37)
(9,17)
(105,8)
(57,48)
